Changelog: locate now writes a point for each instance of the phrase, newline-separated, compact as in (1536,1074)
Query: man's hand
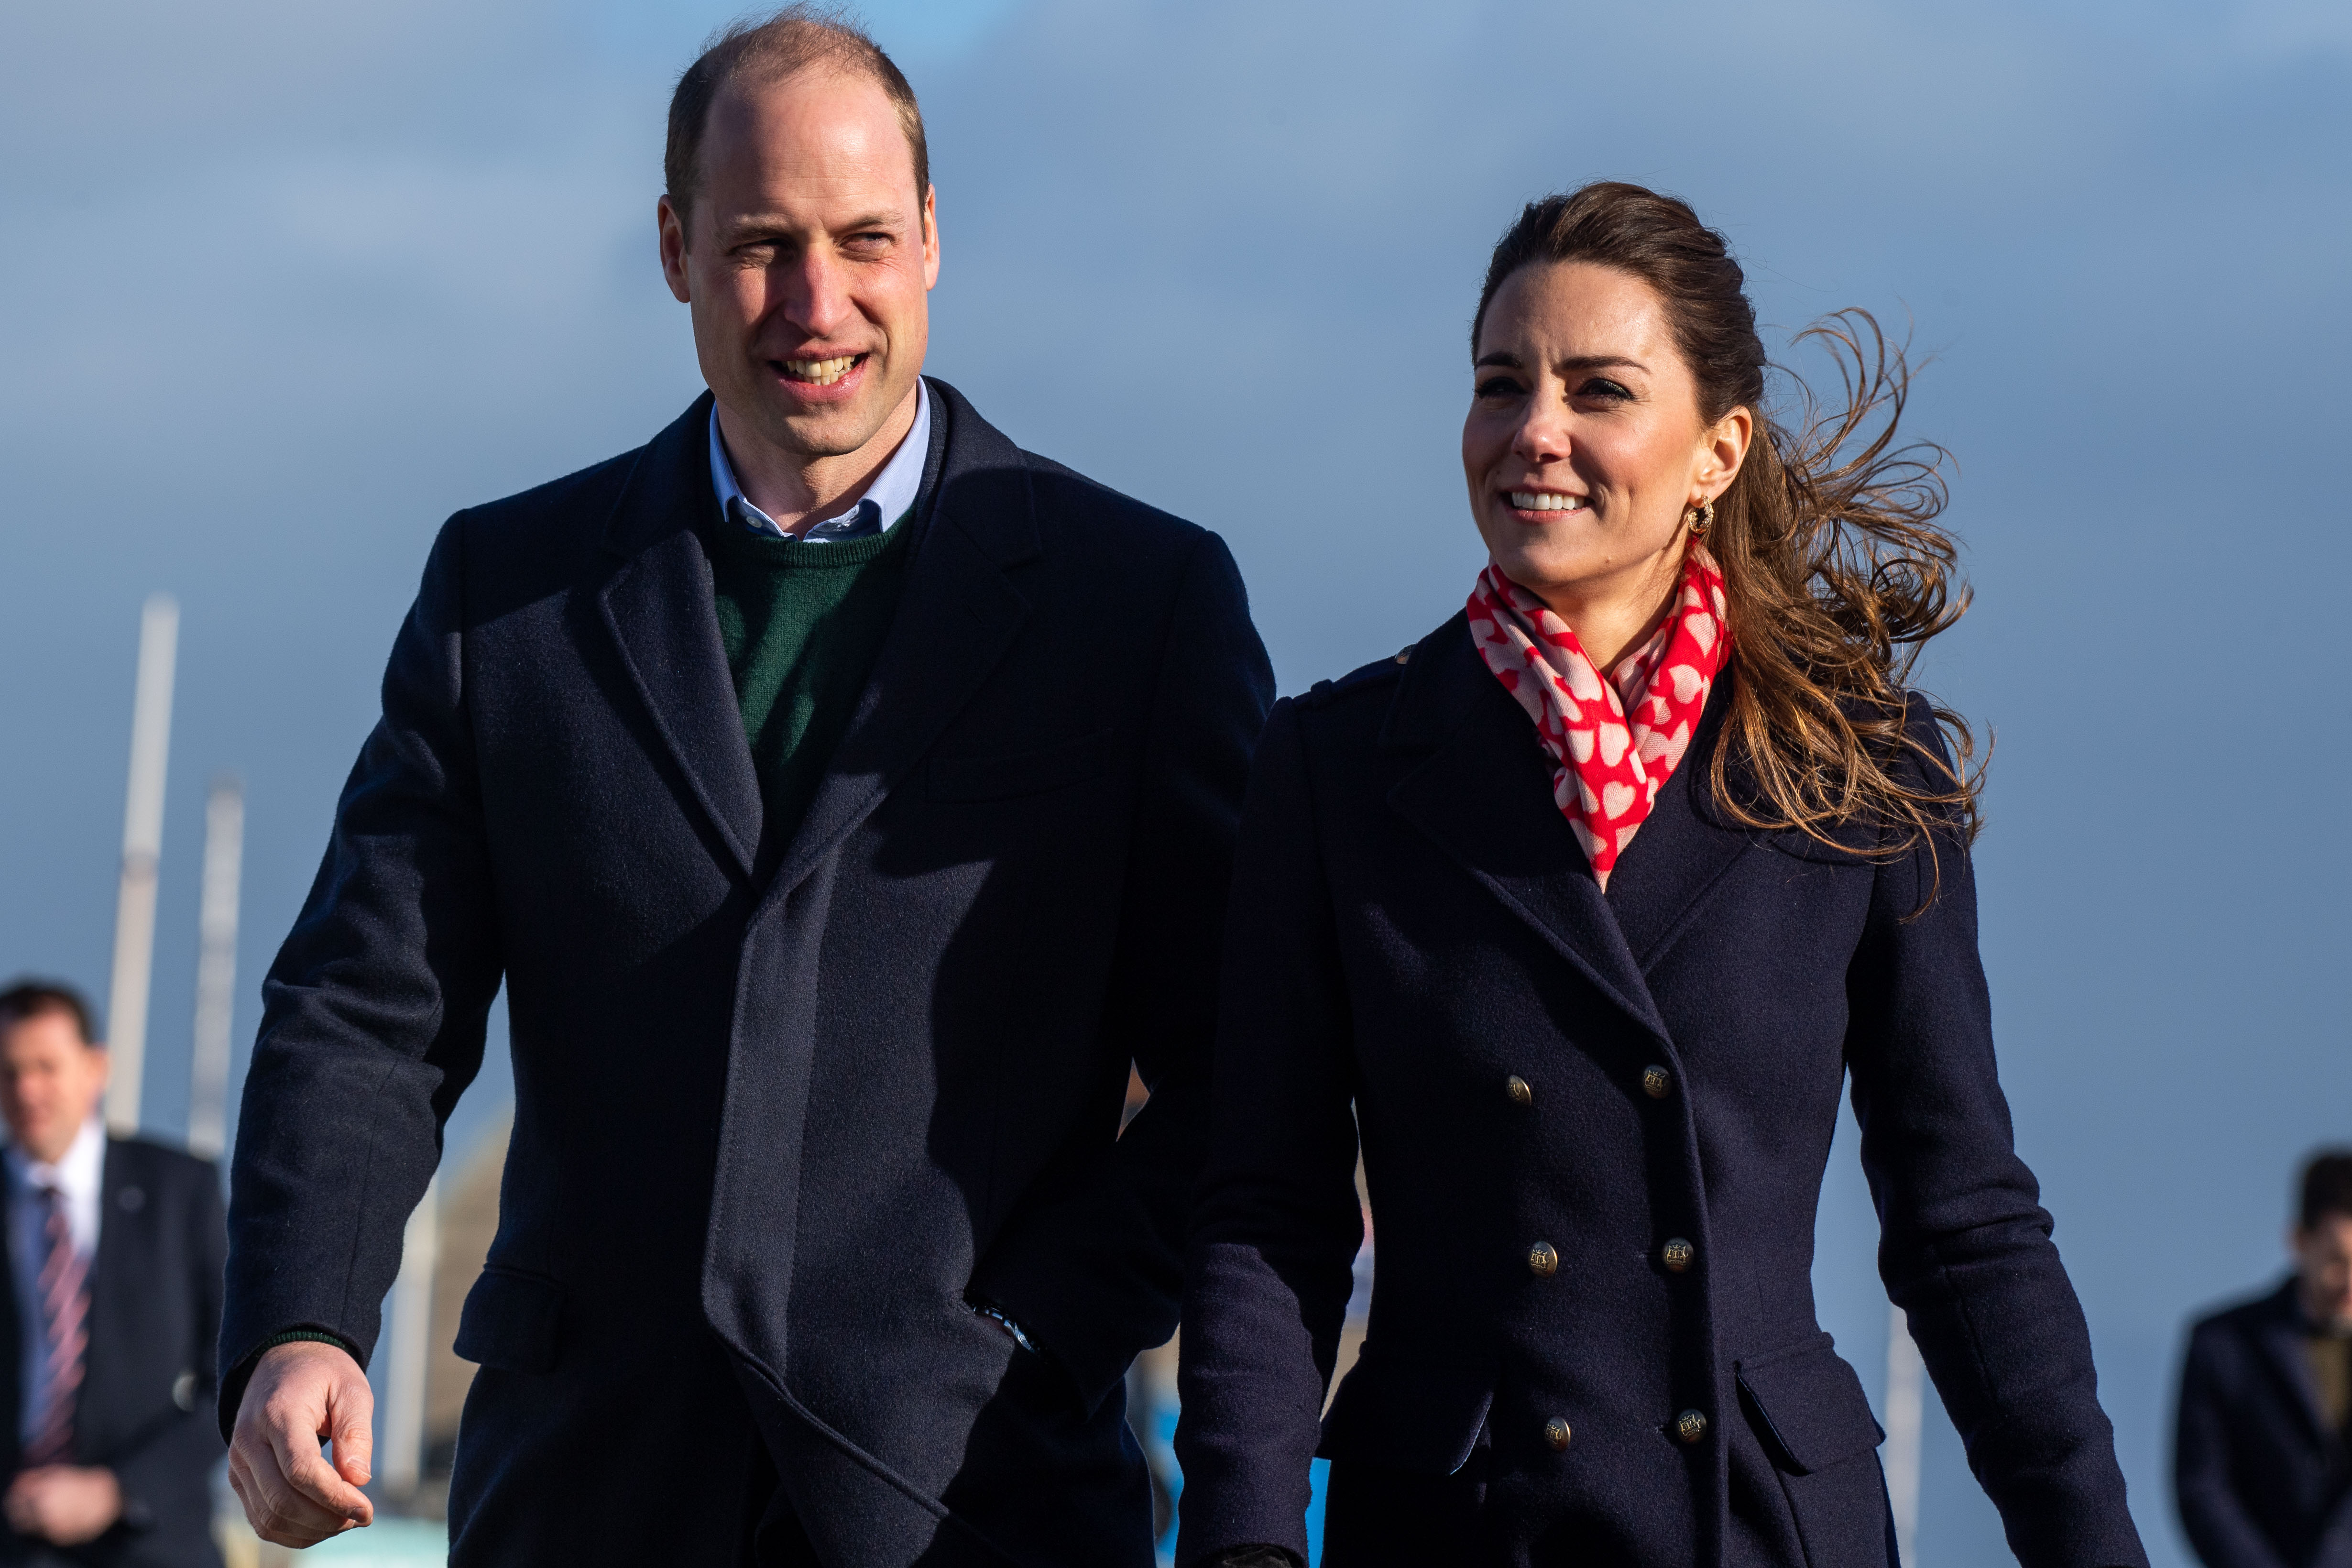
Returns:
(65,1505)
(301,1395)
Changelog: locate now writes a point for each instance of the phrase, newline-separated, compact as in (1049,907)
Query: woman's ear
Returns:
(1721,451)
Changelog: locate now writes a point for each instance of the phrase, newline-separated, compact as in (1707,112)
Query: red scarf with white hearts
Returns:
(1607,768)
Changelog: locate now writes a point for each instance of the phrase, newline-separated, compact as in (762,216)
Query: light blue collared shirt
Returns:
(886,501)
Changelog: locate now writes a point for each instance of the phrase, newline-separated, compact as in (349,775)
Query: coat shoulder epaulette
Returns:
(1379,675)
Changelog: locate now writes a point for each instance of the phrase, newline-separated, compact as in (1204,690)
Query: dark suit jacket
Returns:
(144,1410)
(780,1115)
(2263,1480)
(1413,926)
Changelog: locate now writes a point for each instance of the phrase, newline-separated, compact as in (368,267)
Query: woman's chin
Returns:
(1547,572)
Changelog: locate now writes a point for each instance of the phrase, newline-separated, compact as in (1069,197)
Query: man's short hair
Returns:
(2326,1187)
(28,999)
(772,48)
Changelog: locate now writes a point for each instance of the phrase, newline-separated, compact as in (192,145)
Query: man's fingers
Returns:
(350,1414)
(317,1483)
(303,1393)
(280,1514)
(294,1419)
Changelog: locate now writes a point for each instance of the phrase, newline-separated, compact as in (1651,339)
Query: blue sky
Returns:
(283,285)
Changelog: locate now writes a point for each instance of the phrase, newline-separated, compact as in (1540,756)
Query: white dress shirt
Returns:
(79,1177)
(886,501)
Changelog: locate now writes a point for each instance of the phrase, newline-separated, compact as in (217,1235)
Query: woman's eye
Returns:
(1498,386)
(1602,386)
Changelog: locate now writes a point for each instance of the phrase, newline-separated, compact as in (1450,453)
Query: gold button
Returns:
(1556,1433)
(1657,1082)
(1516,1087)
(1690,1426)
(1677,1255)
(1543,1262)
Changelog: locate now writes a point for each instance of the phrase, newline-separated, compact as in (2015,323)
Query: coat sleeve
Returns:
(173,1461)
(1091,1265)
(1965,1245)
(2217,1524)
(372,1016)
(1279,1221)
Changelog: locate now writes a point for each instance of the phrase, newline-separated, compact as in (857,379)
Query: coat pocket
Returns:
(1001,776)
(1408,1416)
(1808,1406)
(510,1320)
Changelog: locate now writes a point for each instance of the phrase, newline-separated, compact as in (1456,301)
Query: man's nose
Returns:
(817,293)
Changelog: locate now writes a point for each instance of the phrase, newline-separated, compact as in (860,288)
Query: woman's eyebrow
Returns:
(1503,359)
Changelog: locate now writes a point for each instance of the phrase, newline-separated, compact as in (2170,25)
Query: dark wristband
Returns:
(297,1336)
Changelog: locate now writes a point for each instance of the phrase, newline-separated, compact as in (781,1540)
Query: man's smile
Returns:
(818,371)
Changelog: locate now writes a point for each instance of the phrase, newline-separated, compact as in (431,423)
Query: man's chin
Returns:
(825,431)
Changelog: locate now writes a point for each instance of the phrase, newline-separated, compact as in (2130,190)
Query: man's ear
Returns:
(930,237)
(671,226)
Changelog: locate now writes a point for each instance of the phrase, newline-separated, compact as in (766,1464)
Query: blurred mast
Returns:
(215,968)
(408,1349)
(142,847)
(1906,1391)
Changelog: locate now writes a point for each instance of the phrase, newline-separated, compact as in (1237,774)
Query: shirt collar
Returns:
(888,496)
(76,1170)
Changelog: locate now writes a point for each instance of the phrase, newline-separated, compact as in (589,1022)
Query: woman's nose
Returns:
(1542,436)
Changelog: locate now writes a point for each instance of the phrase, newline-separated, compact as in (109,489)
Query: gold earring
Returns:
(1701,518)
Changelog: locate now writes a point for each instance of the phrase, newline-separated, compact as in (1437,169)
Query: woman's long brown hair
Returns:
(1835,571)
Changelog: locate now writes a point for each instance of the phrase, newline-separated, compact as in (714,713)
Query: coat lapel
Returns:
(1485,796)
(658,606)
(959,614)
(2280,1337)
(12,1342)
(126,1212)
(1682,849)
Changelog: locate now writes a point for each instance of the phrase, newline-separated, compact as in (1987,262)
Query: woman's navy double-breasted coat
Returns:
(1593,1128)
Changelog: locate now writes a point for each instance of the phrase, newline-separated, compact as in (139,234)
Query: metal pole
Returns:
(215,968)
(409,1350)
(142,848)
(1905,1395)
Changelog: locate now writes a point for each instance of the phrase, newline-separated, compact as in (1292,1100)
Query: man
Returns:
(2263,1463)
(106,1339)
(846,797)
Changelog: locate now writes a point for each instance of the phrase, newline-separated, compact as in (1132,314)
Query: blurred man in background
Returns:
(105,1340)
(2262,1467)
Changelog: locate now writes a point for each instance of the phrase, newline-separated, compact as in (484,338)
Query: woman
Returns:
(1586,905)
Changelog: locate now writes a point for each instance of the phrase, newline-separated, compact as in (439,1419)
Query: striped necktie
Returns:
(65,1332)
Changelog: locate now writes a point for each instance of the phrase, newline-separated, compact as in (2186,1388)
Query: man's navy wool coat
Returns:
(789,1099)
(1593,1128)
(2262,1477)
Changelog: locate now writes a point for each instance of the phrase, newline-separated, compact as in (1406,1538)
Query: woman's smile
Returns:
(1535,503)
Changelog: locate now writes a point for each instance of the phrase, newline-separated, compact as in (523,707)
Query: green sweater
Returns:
(801,624)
